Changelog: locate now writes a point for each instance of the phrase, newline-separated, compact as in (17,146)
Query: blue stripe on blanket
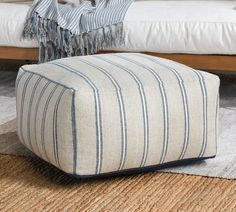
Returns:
(70,30)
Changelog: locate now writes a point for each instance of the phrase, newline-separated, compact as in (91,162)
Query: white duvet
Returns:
(199,27)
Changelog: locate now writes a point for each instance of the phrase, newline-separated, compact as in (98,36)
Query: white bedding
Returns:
(12,18)
(200,27)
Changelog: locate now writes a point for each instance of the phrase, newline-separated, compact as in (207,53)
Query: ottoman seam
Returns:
(142,170)
(53,81)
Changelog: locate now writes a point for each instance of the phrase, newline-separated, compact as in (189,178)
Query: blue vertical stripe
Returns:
(44,120)
(29,113)
(205,121)
(36,114)
(19,78)
(184,99)
(121,109)
(205,107)
(22,107)
(55,128)
(144,105)
(98,121)
(164,103)
(74,133)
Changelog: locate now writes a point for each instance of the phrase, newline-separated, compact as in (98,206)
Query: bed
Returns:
(201,34)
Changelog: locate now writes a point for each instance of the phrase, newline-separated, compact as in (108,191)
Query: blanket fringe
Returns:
(56,42)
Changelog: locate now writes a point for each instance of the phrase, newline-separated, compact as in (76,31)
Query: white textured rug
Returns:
(7,109)
(223,166)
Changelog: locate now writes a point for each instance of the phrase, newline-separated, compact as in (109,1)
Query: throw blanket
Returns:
(64,30)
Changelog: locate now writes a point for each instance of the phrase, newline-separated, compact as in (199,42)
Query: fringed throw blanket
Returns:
(65,30)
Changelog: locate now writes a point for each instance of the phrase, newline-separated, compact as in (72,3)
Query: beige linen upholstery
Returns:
(99,114)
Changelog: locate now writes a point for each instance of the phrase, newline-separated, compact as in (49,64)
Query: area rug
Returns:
(223,166)
(9,143)
(29,184)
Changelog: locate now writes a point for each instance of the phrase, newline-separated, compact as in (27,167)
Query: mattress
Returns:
(197,27)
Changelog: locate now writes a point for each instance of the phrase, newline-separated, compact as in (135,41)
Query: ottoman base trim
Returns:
(143,170)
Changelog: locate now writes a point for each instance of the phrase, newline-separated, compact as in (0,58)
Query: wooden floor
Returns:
(214,63)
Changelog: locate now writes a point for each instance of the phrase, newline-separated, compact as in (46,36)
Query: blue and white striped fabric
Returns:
(92,115)
(70,30)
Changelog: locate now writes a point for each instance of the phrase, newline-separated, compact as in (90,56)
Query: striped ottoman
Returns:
(116,113)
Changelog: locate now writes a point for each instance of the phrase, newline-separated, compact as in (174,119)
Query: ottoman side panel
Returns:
(212,87)
(45,118)
(201,91)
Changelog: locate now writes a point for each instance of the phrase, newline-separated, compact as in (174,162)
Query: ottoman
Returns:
(116,113)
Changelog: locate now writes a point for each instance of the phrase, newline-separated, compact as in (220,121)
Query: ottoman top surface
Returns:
(96,70)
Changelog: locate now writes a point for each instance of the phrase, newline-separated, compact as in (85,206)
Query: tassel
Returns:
(55,42)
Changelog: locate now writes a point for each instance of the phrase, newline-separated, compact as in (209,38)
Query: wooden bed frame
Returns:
(212,63)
